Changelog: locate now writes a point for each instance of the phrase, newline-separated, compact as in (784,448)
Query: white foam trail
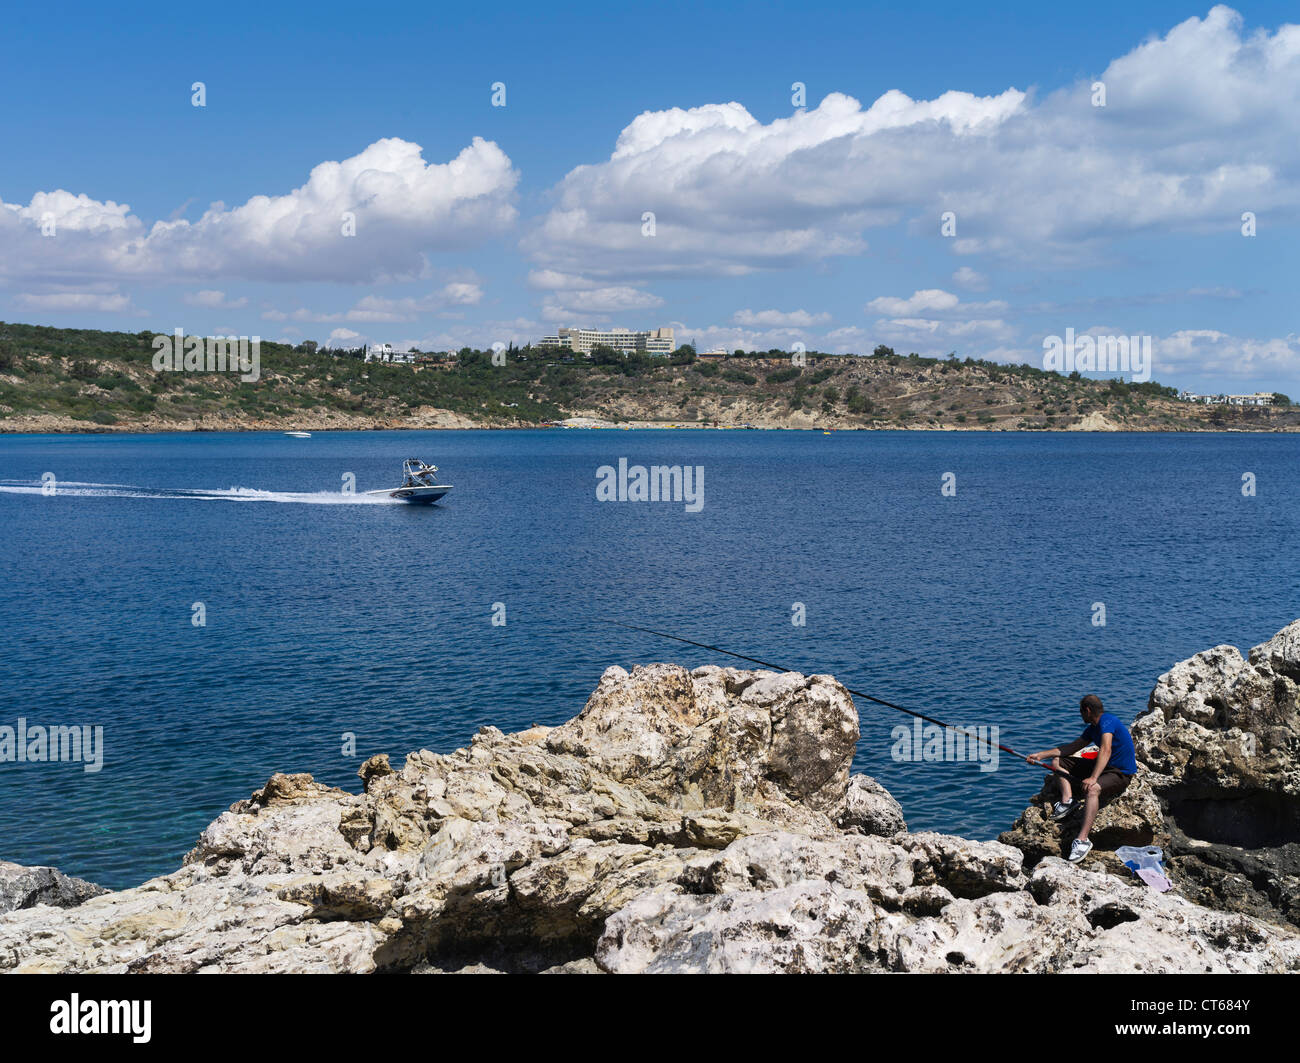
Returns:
(311,498)
(74,489)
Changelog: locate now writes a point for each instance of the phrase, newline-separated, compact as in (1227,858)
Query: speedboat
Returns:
(419,484)
(299,435)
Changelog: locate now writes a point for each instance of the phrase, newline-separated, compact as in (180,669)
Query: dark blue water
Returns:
(325,615)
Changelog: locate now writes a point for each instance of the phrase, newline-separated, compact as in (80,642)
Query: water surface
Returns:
(328,615)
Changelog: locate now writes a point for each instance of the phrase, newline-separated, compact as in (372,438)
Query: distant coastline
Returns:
(444,420)
(72,381)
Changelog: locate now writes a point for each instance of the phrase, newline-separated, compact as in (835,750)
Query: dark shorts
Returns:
(1112,781)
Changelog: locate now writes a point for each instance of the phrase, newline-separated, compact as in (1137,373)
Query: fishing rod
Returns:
(855,693)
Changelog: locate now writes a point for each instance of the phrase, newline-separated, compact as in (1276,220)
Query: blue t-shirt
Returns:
(1122,757)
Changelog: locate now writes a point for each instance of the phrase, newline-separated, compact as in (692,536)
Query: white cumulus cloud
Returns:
(970,279)
(585,303)
(383,308)
(400,207)
(213,300)
(1199,125)
(793,319)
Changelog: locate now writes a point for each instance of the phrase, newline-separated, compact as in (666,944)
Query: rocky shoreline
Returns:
(707,821)
(332,421)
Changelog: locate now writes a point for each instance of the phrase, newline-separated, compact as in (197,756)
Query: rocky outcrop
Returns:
(1096,421)
(868,808)
(1218,785)
(683,821)
(25,887)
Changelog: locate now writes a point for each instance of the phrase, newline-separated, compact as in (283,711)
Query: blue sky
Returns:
(126,207)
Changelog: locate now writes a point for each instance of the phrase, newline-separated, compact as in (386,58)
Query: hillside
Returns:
(79,380)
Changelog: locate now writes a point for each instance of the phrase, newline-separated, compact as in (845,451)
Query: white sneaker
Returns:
(1062,809)
(1078,850)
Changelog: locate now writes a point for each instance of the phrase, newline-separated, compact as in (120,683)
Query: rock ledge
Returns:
(683,821)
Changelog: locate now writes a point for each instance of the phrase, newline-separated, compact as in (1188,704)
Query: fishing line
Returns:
(855,693)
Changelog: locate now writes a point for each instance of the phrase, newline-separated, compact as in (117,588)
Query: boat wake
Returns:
(73,489)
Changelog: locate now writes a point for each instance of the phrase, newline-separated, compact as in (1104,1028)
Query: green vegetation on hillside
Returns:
(108,379)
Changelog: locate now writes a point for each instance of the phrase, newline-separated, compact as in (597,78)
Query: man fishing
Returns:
(1102,771)
(1106,763)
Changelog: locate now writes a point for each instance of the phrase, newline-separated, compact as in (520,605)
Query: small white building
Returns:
(383,352)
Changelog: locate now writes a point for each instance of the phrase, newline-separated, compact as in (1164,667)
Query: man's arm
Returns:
(1069,749)
(1103,758)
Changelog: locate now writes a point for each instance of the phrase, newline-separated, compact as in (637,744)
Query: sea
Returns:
(219,607)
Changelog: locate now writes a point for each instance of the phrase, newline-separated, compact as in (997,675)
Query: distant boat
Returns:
(419,484)
(299,435)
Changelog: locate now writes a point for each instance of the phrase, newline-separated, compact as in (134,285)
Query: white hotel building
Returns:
(1259,398)
(582,340)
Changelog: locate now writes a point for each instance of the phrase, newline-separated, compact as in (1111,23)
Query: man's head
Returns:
(1090,708)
